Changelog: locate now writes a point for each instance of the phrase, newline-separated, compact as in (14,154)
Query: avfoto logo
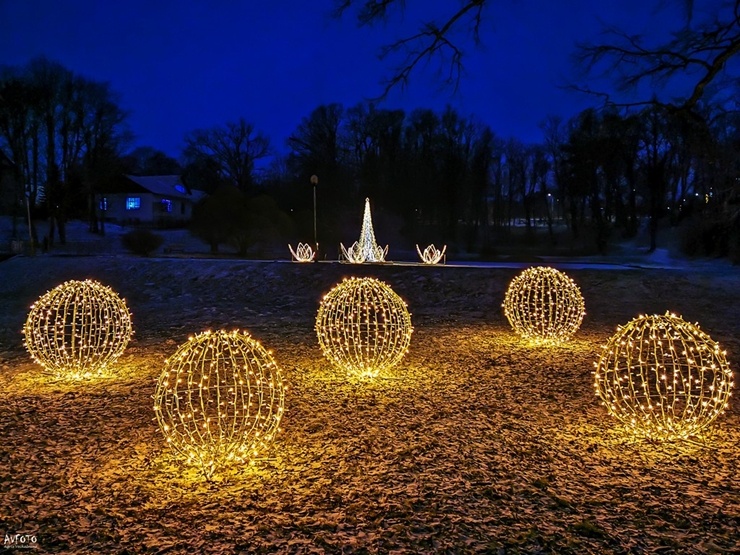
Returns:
(19,541)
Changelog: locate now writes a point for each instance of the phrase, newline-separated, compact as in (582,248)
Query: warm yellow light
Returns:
(219,400)
(544,304)
(366,249)
(363,326)
(431,254)
(78,329)
(663,377)
(302,253)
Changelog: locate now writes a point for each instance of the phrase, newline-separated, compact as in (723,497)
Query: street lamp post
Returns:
(314,182)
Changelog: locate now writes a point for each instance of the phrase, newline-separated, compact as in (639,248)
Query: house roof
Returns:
(170,186)
(165,185)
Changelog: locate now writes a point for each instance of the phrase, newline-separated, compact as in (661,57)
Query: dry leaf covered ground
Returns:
(477,443)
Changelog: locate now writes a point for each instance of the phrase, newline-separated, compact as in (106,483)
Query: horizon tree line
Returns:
(440,175)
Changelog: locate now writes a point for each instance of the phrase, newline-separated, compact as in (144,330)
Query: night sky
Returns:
(181,65)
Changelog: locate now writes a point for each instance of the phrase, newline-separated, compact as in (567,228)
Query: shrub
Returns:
(706,238)
(142,241)
(229,216)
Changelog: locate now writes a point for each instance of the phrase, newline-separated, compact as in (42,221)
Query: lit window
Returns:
(166,205)
(133,203)
(104,204)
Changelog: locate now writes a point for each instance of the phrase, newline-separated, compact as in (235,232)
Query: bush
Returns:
(706,237)
(142,241)
(229,216)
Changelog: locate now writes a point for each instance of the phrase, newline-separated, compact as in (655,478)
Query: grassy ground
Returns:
(477,442)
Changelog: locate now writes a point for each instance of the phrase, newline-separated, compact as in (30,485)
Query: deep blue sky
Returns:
(179,65)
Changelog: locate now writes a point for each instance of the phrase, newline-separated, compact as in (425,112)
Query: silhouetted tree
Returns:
(203,174)
(697,53)
(374,142)
(480,178)
(317,148)
(231,150)
(147,160)
(230,216)
(19,141)
(433,40)
(56,127)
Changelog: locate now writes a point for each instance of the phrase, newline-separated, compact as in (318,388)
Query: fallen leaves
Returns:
(477,443)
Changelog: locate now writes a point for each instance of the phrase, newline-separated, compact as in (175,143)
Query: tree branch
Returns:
(706,49)
(431,41)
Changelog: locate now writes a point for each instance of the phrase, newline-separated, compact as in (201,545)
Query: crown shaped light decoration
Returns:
(219,400)
(663,377)
(302,253)
(544,304)
(363,327)
(431,254)
(78,329)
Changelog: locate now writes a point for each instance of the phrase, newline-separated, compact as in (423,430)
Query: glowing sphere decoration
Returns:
(663,377)
(544,304)
(363,327)
(219,400)
(78,329)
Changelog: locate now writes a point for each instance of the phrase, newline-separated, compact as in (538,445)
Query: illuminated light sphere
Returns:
(219,400)
(78,329)
(663,377)
(363,327)
(544,304)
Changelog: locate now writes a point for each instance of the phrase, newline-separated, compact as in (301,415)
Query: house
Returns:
(158,199)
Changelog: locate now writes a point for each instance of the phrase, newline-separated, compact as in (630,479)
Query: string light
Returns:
(366,249)
(663,377)
(544,304)
(303,253)
(363,326)
(431,254)
(219,400)
(78,329)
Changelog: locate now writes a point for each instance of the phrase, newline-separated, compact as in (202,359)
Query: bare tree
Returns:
(316,148)
(55,126)
(16,141)
(147,160)
(431,41)
(234,147)
(699,53)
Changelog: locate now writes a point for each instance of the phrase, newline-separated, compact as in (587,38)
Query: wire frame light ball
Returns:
(663,377)
(363,327)
(544,304)
(78,329)
(219,400)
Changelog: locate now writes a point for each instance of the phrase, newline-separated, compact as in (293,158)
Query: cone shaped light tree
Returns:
(366,249)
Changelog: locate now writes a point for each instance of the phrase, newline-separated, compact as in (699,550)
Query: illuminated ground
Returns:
(478,442)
